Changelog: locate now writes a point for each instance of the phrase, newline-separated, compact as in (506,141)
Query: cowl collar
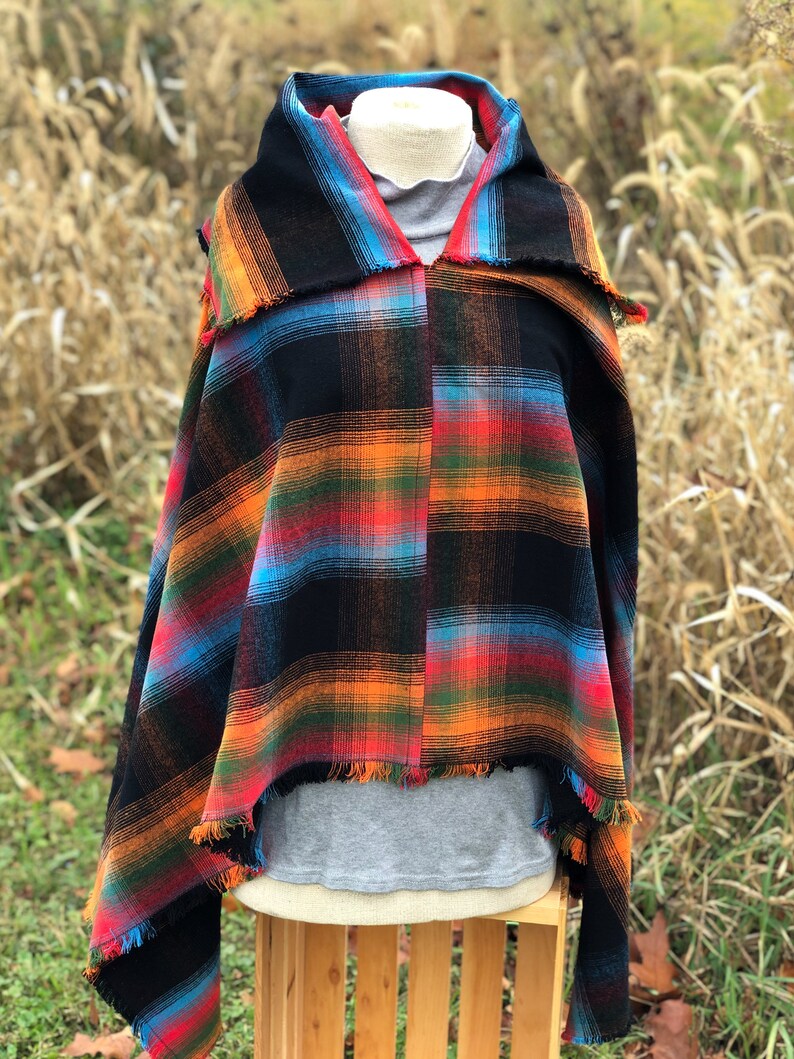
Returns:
(307,215)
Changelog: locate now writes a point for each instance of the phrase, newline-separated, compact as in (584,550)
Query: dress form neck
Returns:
(409,134)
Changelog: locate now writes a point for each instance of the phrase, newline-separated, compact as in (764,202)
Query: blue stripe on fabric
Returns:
(155,1023)
(516,624)
(273,577)
(461,384)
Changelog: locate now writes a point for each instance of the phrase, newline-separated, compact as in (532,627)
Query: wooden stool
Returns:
(299,1010)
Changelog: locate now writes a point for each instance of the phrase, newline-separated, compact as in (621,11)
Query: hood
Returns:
(307,214)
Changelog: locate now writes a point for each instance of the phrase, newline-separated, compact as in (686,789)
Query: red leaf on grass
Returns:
(653,971)
(670,1025)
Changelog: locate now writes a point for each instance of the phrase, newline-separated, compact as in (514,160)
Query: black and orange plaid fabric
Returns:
(398,541)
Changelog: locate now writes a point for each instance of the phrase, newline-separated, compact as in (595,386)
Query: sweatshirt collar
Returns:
(307,215)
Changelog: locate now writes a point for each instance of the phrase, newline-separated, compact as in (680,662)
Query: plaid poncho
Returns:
(398,541)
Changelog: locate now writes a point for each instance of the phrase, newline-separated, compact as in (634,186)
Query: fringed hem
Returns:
(268,301)
(599,1038)
(626,310)
(611,810)
(116,945)
(241,315)
(212,830)
(570,838)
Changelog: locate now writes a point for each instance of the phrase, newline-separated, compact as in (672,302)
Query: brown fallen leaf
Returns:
(670,1025)
(69,669)
(64,811)
(119,1045)
(75,761)
(32,793)
(653,971)
(96,733)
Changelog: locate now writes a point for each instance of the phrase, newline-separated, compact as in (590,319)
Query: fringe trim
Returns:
(627,310)
(233,876)
(117,945)
(600,1038)
(601,807)
(610,810)
(572,845)
(570,840)
(212,830)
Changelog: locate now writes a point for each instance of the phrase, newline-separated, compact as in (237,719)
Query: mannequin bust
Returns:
(409,133)
(408,138)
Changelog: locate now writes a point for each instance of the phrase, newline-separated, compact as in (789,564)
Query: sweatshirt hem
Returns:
(412,882)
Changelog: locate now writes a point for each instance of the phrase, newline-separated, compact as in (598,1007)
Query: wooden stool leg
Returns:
(376,992)
(324,977)
(480,1022)
(538,993)
(427,1028)
(278,1012)
(262,989)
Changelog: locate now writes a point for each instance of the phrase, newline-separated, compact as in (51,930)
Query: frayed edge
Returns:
(627,310)
(572,845)
(568,842)
(229,319)
(117,946)
(406,776)
(613,811)
(609,810)
(601,807)
(211,830)
(234,876)
(599,1038)
(624,309)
